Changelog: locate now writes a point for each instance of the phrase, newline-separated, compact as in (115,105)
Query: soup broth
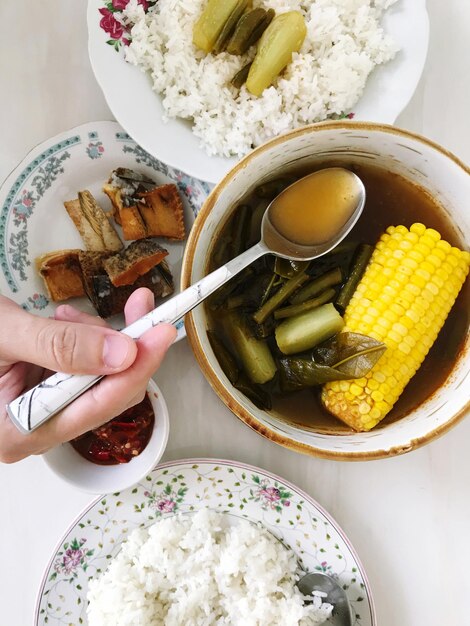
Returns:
(331,195)
(390,200)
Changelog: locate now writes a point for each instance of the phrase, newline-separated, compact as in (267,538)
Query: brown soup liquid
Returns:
(390,200)
(315,208)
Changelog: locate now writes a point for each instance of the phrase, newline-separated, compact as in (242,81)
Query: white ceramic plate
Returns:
(32,216)
(186,486)
(138,109)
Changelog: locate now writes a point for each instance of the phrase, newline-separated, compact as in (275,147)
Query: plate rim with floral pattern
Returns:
(185,486)
(30,190)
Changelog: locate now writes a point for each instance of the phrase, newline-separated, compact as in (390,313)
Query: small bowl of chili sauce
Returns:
(121,439)
(117,454)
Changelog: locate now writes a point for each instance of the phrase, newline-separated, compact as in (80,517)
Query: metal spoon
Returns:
(52,395)
(342,614)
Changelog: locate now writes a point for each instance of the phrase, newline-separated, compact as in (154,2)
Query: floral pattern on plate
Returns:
(184,487)
(111,24)
(32,217)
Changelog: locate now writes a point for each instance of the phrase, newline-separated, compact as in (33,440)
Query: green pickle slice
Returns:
(284,36)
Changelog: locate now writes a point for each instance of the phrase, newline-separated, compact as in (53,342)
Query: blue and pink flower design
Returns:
(37,301)
(23,207)
(95,149)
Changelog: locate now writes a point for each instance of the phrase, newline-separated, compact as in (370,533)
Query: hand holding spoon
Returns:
(305,221)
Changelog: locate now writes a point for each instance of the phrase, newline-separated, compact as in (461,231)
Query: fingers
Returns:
(139,304)
(115,393)
(110,396)
(65,346)
(8,311)
(13,444)
(68,313)
(73,342)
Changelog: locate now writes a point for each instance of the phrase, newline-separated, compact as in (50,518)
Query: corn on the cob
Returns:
(403,300)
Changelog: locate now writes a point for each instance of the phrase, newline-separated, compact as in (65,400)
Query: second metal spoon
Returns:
(335,595)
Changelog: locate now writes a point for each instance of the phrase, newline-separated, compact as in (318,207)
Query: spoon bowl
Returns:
(315,581)
(335,200)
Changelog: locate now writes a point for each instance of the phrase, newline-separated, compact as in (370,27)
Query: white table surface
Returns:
(408,517)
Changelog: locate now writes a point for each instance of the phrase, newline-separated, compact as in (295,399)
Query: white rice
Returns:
(344,42)
(201,570)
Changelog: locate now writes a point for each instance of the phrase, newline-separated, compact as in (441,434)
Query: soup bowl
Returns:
(425,164)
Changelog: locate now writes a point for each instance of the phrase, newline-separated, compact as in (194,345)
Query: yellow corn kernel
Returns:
(418,228)
(444,246)
(402,230)
(410,290)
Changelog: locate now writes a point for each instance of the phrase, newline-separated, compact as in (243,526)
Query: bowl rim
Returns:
(188,259)
(161,432)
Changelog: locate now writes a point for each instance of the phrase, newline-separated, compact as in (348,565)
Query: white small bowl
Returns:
(67,463)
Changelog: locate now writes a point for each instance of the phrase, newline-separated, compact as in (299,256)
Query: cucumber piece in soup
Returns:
(305,331)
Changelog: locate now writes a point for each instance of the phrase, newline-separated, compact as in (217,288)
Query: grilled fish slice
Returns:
(62,274)
(137,259)
(163,213)
(144,209)
(109,300)
(94,227)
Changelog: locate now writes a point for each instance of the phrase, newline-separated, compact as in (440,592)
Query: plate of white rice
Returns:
(200,542)
(360,58)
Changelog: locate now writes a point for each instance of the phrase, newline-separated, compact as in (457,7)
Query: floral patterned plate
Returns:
(184,486)
(139,110)
(32,216)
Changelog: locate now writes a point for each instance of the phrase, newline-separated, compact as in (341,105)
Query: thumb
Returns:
(66,346)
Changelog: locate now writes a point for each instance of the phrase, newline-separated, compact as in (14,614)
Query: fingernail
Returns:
(69,311)
(60,311)
(150,301)
(115,350)
(171,338)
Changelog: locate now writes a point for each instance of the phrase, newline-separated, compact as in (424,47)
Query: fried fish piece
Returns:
(114,194)
(144,209)
(62,274)
(109,300)
(163,213)
(91,264)
(132,224)
(122,189)
(94,227)
(137,259)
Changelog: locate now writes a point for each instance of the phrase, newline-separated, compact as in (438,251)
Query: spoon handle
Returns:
(177,307)
(53,394)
